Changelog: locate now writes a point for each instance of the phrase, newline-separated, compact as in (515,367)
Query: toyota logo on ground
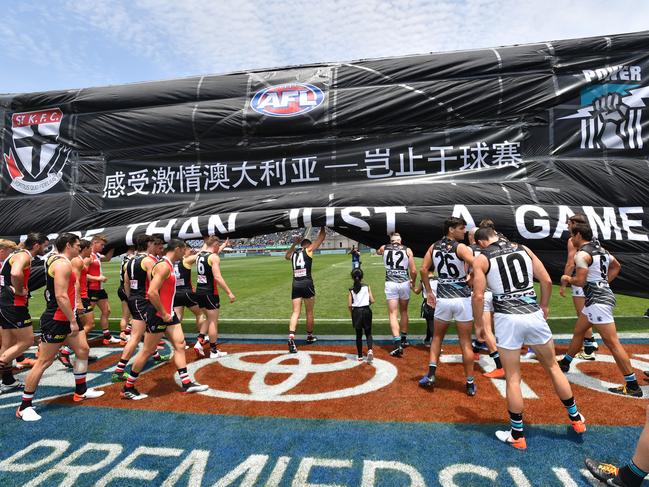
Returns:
(287,100)
(297,372)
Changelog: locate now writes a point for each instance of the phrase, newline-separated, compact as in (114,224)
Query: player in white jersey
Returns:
(400,275)
(508,270)
(452,302)
(487,338)
(595,269)
(578,298)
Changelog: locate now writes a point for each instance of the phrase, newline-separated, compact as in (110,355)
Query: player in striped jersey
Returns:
(400,276)
(487,338)
(83,305)
(59,325)
(15,321)
(508,270)
(7,247)
(125,320)
(590,344)
(186,296)
(161,319)
(136,288)
(208,281)
(595,269)
(96,290)
(452,302)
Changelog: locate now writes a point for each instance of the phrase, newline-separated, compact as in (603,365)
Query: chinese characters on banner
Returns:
(377,163)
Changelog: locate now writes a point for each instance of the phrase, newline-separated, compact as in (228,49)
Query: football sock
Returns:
(496,358)
(516,422)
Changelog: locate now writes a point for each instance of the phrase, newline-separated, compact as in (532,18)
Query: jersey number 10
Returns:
(511,274)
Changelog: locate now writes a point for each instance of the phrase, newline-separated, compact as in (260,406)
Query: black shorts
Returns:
(97,294)
(186,298)
(208,301)
(303,289)
(155,324)
(362,318)
(14,317)
(87,307)
(427,312)
(138,306)
(53,331)
(122,295)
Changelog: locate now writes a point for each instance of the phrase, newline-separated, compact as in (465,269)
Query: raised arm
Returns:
(319,239)
(223,245)
(289,252)
(106,257)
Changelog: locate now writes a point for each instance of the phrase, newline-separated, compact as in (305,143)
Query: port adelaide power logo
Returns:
(35,158)
(612,111)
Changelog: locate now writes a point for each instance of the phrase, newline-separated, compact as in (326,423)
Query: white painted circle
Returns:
(576,376)
(305,369)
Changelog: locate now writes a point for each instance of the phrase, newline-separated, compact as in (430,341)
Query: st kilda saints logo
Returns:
(35,159)
(613,106)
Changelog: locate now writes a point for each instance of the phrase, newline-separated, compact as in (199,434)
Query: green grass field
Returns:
(262,286)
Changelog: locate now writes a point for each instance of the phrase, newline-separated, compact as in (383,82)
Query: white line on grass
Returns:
(374,320)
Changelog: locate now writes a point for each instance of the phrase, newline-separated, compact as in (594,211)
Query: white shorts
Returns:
(577,292)
(599,314)
(453,309)
(512,331)
(397,290)
(488,301)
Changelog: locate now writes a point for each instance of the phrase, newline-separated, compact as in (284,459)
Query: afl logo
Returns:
(287,100)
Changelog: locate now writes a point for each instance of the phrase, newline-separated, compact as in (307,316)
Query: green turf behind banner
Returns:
(262,286)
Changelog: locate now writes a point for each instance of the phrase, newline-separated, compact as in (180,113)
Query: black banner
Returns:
(526,135)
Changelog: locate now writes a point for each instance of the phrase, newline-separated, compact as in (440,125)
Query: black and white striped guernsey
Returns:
(396,262)
(597,289)
(510,278)
(450,270)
